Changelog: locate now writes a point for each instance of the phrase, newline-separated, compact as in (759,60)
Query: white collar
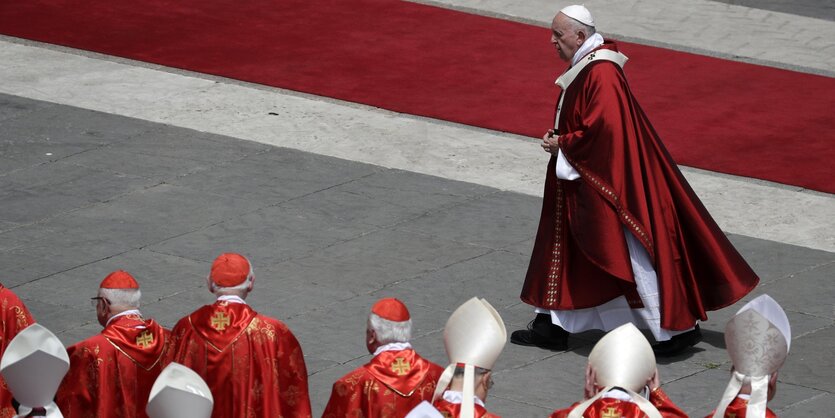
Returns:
(591,43)
(453,396)
(231,299)
(618,394)
(128,312)
(392,347)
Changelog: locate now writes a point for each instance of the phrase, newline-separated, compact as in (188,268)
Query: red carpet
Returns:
(714,114)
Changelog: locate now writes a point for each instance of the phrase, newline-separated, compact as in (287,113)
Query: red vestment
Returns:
(739,407)
(616,408)
(15,318)
(111,373)
(252,363)
(389,386)
(453,410)
(628,180)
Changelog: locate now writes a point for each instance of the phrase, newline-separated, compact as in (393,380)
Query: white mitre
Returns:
(579,13)
(474,336)
(179,392)
(757,338)
(622,359)
(33,366)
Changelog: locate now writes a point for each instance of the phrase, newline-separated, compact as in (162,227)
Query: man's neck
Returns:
(123,313)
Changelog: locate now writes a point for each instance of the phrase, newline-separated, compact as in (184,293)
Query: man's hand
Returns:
(550,143)
(590,389)
(654,381)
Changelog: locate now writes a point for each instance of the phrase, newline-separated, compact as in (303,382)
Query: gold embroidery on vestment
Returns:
(220,321)
(400,366)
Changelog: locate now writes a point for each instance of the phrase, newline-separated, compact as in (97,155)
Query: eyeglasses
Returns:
(95,301)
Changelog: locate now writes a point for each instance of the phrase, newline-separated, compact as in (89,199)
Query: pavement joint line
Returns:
(71,268)
(801,271)
(803,401)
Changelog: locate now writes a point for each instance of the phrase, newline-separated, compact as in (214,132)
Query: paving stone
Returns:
(276,176)
(772,260)
(493,221)
(14,106)
(40,192)
(380,259)
(809,291)
(810,362)
(822,404)
(388,197)
(267,236)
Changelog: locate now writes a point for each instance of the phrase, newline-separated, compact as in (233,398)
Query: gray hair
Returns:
(390,331)
(238,290)
(122,298)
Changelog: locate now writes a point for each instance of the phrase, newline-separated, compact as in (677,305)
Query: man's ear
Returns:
(581,37)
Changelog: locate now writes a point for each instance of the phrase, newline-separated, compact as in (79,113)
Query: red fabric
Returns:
(615,408)
(252,363)
(230,269)
(738,409)
(715,114)
(391,309)
(15,317)
(580,257)
(111,374)
(453,410)
(390,385)
(119,279)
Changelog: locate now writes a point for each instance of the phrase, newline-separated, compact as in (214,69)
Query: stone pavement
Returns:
(85,193)
(340,204)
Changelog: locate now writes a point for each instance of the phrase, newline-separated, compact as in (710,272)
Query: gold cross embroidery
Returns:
(220,321)
(611,413)
(145,340)
(400,366)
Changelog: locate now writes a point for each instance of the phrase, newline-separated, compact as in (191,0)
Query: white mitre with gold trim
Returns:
(579,13)
(179,392)
(474,336)
(33,366)
(758,339)
(622,359)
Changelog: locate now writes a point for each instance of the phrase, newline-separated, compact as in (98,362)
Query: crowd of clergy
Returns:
(225,360)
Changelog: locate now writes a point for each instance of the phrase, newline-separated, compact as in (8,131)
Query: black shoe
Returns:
(678,344)
(541,333)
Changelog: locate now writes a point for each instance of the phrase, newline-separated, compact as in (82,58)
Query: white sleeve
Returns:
(564,169)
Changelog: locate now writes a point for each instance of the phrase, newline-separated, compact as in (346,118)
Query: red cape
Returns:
(609,407)
(111,374)
(739,408)
(453,410)
(252,363)
(391,384)
(628,179)
(15,318)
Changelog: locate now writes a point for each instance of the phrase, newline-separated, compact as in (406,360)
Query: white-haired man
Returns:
(114,370)
(395,380)
(253,363)
(622,237)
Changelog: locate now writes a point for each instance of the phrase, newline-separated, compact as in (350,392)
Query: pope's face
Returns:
(564,37)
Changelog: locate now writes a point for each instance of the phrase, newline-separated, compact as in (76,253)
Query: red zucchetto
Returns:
(230,269)
(119,279)
(391,309)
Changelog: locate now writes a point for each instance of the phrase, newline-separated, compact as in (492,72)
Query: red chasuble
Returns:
(628,179)
(453,410)
(739,407)
(15,318)
(252,363)
(389,386)
(616,408)
(111,374)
